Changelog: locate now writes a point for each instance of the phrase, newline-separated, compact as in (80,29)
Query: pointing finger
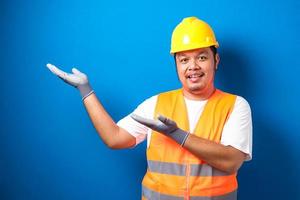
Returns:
(145,121)
(57,71)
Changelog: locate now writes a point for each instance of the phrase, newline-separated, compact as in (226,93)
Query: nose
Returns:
(194,65)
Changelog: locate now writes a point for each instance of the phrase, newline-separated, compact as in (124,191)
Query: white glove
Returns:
(77,79)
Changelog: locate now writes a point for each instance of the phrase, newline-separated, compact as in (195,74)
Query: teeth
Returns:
(194,75)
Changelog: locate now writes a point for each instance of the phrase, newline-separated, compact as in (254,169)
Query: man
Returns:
(197,136)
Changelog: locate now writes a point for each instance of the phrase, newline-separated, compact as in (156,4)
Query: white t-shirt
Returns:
(237,131)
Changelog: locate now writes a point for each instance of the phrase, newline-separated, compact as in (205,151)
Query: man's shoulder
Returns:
(238,97)
(153,99)
(227,93)
(240,100)
(170,92)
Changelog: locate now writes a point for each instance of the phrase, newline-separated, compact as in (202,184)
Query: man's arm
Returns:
(112,135)
(225,158)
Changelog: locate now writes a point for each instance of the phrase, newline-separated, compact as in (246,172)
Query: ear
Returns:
(217,59)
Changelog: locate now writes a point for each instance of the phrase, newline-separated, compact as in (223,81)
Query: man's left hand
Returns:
(165,126)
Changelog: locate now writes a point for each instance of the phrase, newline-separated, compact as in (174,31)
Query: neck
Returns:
(196,95)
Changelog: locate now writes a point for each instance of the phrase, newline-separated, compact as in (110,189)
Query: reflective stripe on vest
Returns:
(180,169)
(175,173)
(152,195)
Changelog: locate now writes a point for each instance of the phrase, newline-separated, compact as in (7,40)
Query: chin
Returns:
(196,88)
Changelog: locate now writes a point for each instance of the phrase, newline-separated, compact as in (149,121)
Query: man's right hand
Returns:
(77,79)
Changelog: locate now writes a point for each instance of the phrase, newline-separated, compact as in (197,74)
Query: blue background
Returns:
(49,148)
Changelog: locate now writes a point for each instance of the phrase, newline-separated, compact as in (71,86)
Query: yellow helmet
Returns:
(192,33)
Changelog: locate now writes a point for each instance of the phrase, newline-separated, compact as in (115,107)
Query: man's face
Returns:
(196,71)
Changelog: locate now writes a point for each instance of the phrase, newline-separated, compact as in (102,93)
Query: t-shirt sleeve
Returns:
(237,131)
(137,130)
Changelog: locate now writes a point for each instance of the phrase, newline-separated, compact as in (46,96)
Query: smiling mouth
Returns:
(193,76)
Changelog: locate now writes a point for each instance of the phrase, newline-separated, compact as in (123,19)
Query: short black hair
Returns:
(214,50)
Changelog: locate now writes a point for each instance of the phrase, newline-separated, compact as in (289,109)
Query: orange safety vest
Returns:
(174,173)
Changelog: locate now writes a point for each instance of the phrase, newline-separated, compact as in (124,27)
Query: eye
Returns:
(202,58)
(184,60)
